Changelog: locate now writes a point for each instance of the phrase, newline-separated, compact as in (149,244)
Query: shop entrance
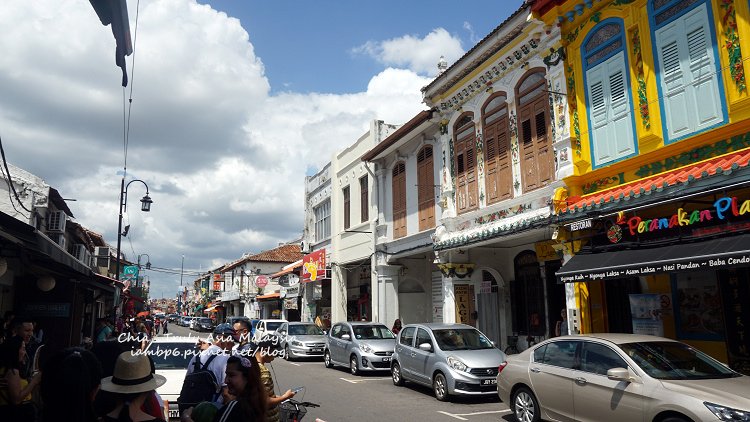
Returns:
(617,295)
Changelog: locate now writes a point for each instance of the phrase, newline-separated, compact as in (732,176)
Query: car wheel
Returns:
(675,419)
(353,365)
(440,386)
(287,356)
(396,374)
(327,359)
(525,406)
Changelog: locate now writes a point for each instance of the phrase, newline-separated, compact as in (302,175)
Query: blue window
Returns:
(608,102)
(687,67)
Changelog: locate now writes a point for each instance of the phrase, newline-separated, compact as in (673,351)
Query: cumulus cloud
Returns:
(419,55)
(224,159)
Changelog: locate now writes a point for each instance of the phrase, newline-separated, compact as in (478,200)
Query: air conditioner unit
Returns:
(81,252)
(305,247)
(56,221)
(102,256)
(59,238)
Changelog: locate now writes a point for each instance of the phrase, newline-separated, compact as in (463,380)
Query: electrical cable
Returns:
(132,82)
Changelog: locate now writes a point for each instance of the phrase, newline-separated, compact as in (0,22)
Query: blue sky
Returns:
(234,101)
(307,46)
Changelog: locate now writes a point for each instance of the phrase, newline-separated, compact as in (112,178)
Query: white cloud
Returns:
(224,160)
(420,55)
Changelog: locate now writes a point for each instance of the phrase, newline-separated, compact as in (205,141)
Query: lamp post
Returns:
(145,207)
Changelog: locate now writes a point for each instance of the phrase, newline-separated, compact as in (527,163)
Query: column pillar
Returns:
(449,301)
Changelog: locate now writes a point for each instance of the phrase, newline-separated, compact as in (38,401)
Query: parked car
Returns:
(172,317)
(621,377)
(266,326)
(186,321)
(301,340)
(453,359)
(171,356)
(204,324)
(362,346)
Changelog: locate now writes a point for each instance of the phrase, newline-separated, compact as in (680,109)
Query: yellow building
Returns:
(655,219)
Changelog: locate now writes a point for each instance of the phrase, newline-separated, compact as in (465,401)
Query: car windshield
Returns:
(272,326)
(669,360)
(205,320)
(372,332)
(171,355)
(461,339)
(305,330)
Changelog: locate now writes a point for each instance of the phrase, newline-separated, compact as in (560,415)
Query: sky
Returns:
(233,103)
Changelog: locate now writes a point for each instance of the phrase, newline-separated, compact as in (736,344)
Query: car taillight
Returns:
(501,367)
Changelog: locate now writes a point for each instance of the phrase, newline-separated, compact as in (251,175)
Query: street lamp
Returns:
(145,207)
(182,267)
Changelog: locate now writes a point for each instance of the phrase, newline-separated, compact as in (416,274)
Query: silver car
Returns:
(301,340)
(621,377)
(454,359)
(362,346)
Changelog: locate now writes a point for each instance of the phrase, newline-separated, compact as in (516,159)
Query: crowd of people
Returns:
(113,380)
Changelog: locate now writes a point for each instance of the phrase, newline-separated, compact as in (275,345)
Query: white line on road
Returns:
(295,364)
(364,379)
(459,415)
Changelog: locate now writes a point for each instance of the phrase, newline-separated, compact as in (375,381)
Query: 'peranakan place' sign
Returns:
(723,207)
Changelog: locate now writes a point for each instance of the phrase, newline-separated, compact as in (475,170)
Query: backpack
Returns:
(200,385)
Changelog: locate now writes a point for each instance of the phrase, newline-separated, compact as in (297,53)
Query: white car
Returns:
(171,356)
(266,326)
(194,323)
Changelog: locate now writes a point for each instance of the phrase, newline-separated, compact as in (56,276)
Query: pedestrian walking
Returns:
(165,326)
(244,382)
(70,383)
(264,354)
(133,383)
(104,332)
(561,328)
(396,326)
(15,391)
(157,326)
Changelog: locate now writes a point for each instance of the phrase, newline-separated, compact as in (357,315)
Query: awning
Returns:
(725,252)
(274,295)
(210,309)
(288,269)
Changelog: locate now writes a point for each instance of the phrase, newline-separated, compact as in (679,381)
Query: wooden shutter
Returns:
(545,158)
(398,185)
(529,173)
(347,208)
(504,168)
(490,163)
(426,188)
(689,75)
(461,192)
(364,199)
(472,189)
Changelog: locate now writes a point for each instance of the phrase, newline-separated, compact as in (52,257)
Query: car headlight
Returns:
(297,343)
(456,363)
(727,413)
(365,348)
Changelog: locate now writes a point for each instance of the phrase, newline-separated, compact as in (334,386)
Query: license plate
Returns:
(174,413)
(386,359)
(492,381)
(317,350)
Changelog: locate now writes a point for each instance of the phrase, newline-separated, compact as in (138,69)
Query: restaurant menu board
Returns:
(698,314)
(735,294)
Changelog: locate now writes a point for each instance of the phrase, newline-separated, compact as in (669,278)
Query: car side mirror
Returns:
(619,374)
(346,337)
(427,347)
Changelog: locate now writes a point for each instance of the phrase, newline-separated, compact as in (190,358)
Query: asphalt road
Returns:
(371,397)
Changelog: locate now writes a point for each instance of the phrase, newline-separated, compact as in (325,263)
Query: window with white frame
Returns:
(322,221)
(687,67)
(610,109)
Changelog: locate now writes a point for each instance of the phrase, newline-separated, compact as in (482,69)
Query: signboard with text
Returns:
(314,266)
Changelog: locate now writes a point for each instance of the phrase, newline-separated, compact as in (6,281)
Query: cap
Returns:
(224,329)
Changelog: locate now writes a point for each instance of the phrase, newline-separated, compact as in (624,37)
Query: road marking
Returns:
(357,381)
(459,415)
(295,364)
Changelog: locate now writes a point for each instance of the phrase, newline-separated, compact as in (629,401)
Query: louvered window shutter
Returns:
(426,190)
(689,75)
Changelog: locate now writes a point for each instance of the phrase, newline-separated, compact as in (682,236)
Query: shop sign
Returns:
(314,266)
(646,314)
(290,303)
(287,280)
(580,225)
(545,251)
(722,209)
(292,291)
(261,281)
(56,310)
(217,285)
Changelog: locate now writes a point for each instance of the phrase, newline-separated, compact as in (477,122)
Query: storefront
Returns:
(270,305)
(678,268)
(315,288)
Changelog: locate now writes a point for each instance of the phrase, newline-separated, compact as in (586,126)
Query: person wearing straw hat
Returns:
(133,383)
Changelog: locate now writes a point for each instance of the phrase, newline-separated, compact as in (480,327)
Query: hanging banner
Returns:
(314,266)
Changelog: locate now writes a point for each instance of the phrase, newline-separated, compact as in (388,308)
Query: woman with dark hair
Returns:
(71,381)
(243,382)
(396,326)
(15,392)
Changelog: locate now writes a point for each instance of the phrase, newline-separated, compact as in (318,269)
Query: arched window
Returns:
(537,161)
(610,109)
(464,150)
(498,169)
(426,188)
(687,66)
(398,188)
